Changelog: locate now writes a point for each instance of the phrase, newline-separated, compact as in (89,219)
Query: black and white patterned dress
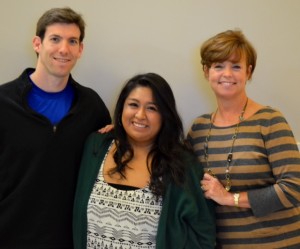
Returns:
(121,219)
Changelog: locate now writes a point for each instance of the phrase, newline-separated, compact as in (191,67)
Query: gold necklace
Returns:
(230,153)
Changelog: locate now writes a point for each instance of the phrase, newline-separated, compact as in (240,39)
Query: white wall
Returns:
(125,37)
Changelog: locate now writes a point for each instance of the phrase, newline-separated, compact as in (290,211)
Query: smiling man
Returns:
(45,118)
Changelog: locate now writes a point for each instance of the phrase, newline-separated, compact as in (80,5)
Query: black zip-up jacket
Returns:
(39,164)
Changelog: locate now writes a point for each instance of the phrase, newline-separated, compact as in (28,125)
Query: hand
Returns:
(106,128)
(213,189)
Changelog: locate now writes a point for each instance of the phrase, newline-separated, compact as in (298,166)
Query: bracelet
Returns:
(236,197)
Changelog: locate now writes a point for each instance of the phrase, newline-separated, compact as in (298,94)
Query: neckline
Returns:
(122,187)
(240,117)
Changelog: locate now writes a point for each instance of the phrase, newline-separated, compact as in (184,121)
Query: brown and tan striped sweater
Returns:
(266,164)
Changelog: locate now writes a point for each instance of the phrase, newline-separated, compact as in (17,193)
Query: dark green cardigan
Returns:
(187,220)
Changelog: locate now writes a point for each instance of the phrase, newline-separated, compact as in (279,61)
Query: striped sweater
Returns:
(266,164)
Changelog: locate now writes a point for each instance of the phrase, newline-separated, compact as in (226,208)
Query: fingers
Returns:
(204,187)
(208,176)
(206,181)
(106,129)
(209,185)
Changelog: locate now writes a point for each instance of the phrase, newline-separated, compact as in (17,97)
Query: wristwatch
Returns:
(236,197)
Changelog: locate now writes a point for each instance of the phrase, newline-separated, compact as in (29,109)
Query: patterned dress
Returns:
(121,219)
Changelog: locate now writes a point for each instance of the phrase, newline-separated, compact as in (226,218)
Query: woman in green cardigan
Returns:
(139,185)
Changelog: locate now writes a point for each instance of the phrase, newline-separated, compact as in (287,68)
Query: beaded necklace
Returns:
(230,153)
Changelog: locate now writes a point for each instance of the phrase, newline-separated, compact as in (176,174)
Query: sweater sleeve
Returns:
(94,150)
(187,220)
(284,161)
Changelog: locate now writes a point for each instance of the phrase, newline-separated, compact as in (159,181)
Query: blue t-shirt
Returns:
(54,106)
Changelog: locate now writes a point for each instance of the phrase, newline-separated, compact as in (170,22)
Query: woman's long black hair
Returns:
(166,164)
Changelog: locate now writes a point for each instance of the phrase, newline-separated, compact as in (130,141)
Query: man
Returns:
(45,118)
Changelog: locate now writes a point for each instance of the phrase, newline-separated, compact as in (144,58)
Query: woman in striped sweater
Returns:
(249,153)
